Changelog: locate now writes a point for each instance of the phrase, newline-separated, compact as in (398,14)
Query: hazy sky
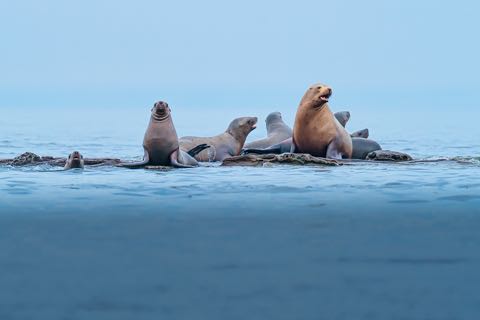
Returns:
(225,53)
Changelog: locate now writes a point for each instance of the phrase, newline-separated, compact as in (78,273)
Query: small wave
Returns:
(21,182)
(405,261)
(130,194)
(457,159)
(409,201)
(460,197)
(396,184)
(18,191)
(467,160)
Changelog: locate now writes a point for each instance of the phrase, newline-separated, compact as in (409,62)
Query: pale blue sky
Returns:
(228,54)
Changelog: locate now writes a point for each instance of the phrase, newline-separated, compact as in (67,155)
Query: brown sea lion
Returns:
(224,145)
(316,131)
(277,131)
(74,161)
(160,144)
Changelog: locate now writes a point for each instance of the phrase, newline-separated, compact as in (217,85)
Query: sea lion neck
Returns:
(313,109)
(323,106)
(155,118)
(275,124)
(237,134)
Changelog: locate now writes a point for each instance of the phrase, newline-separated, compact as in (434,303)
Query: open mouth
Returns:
(325,97)
(161,113)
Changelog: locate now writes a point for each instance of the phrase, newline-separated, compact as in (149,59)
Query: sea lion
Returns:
(282,147)
(342,117)
(316,131)
(364,133)
(224,145)
(362,147)
(277,131)
(160,144)
(74,161)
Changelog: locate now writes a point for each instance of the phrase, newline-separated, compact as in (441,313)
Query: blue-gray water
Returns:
(361,241)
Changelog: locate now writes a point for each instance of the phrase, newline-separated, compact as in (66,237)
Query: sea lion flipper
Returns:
(276,149)
(332,151)
(360,134)
(259,151)
(282,147)
(177,161)
(293,147)
(196,150)
(136,165)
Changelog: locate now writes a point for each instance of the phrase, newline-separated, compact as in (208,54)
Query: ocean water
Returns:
(358,241)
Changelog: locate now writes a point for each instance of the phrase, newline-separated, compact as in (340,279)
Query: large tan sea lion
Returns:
(224,145)
(277,131)
(160,144)
(316,131)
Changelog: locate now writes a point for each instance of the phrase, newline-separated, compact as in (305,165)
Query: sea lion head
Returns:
(75,160)
(160,111)
(273,117)
(274,121)
(343,117)
(316,96)
(239,128)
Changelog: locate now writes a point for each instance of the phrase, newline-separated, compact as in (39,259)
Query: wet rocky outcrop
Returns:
(29,158)
(284,158)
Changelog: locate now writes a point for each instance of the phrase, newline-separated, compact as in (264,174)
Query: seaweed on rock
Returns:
(284,158)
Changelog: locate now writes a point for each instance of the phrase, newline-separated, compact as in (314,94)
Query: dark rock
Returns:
(159,168)
(25,159)
(387,155)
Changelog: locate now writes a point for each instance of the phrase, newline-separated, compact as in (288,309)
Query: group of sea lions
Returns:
(316,131)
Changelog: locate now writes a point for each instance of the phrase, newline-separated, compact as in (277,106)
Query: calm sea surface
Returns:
(358,241)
